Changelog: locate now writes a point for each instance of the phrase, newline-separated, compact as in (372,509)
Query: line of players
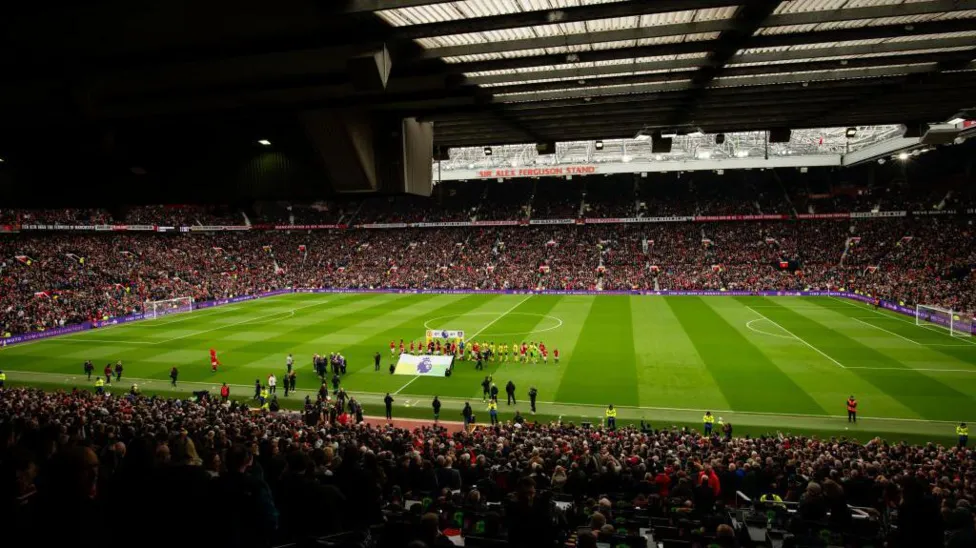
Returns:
(489,351)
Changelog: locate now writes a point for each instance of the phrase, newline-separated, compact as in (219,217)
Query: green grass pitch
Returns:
(764,364)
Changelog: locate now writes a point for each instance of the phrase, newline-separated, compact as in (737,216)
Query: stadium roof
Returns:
(487,72)
(586,69)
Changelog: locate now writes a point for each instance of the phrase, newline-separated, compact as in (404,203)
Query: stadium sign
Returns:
(877,214)
(823,216)
(549,171)
(710,218)
(623,220)
(552,221)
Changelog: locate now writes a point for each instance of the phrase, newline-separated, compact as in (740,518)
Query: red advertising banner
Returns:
(299,227)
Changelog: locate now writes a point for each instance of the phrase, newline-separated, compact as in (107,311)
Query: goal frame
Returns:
(954,321)
(166,307)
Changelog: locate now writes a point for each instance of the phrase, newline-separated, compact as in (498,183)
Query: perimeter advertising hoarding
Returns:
(423,365)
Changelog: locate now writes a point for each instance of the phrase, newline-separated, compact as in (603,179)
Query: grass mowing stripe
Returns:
(921,393)
(530,315)
(516,314)
(603,367)
(363,378)
(906,330)
(911,353)
(242,322)
(745,375)
(301,340)
(146,361)
(669,370)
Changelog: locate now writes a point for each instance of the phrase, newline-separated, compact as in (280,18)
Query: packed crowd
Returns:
(735,193)
(49,280)
(210,473)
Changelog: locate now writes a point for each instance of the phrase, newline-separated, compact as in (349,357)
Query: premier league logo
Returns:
(444,334)
(424,365)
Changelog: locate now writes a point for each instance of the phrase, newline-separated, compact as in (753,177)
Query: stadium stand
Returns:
(261,479)
(223,475)
(51,279)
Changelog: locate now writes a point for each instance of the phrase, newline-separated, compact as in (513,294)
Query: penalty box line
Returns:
(897,317)
(476,333)
(790,333)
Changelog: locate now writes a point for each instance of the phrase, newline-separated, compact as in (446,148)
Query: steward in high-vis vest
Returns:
(708,420)
(963,432)
(99,386)
(611,418)
(851,409)
(3,379)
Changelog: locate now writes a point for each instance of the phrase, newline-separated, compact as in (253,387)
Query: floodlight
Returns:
(851,132)
(487,151)
(264,142)
(903,156)
(598,145)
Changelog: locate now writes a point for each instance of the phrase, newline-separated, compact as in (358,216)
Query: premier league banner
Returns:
(428,366)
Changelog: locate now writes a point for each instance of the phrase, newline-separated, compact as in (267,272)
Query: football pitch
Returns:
(762,363)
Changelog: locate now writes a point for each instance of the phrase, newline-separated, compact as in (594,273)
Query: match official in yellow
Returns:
(962,431)
(708,420)
(611,418)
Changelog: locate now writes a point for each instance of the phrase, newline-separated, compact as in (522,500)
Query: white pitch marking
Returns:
(503,314)
(570,404)
(886,331)
(761,332)
(821,352)
(238,323)
(913,369)
(893,316)
(113,341)
(406,385)
(476,333)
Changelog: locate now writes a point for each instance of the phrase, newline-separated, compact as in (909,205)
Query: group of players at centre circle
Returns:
(473,351)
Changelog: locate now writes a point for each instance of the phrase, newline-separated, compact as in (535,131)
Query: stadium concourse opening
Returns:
(513,273)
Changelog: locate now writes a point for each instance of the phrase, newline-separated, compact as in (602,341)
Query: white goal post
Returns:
(957,323)
(158,309)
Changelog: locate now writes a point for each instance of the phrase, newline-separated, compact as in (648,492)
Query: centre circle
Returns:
(558,324)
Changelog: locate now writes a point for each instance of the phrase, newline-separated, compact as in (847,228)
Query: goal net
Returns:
(957,323)
(158,309)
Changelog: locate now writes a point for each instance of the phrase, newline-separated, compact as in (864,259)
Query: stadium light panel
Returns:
(741,153)
(264,142)
(487,151)
(851,132)
(903,156)
(956,121)
(642,136)
(598,145)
